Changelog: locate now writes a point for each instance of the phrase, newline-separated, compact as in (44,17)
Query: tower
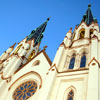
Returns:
(74,74)
(21,68)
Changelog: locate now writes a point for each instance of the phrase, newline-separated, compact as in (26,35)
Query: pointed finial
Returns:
(45,47)
(89,5)
(13,45)
(70,31)
(48,18)
(88,17)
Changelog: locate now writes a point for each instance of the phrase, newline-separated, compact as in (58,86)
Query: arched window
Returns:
(72,62)
(83,60)
(31,55)
(70,95)
(91,32)
(25,90)
(82,33)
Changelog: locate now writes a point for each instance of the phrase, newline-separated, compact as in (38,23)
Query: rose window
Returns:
(25,90)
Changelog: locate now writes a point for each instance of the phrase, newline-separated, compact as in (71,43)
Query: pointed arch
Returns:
(83,51)
(31,55)
(68,61)
(82,33)
(72,52)
(70,93)
(84,57)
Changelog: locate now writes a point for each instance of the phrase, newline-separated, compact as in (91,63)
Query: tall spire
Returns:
(37,34)
(88,17)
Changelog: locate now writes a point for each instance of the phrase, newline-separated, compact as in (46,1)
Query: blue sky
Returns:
(19,17)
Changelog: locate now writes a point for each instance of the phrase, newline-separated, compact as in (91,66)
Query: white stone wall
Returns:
(37,74)
(55,81)
(79,79)
(76,81)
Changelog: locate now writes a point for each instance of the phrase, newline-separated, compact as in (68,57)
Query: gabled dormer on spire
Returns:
(37,34)
(88,16)
(29,47)
(24,52)
(88,27)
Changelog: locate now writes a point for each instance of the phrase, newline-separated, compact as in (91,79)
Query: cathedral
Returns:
(27,73)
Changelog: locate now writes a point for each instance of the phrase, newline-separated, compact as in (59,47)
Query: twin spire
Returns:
(88,17)
(37,34)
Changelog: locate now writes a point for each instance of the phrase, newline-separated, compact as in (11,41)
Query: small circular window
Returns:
(37,62)
(25,90)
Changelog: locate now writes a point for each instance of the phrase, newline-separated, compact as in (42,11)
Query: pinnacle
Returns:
(89,5)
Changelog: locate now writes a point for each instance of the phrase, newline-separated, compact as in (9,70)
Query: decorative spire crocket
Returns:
(37,34)
(88,17)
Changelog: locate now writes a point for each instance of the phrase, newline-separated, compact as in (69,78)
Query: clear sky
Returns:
(19,17)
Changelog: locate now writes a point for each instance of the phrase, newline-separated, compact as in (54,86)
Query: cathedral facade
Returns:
(26,73)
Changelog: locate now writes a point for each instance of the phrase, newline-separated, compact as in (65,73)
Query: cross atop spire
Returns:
(37,34)
(88,17)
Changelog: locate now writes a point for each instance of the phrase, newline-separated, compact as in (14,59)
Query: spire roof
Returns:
(37,34)
(88,17)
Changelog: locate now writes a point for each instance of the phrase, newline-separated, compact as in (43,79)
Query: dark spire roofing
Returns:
(37,34)
(88,17)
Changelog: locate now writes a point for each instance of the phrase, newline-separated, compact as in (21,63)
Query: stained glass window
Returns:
(25,90)
(72,61)
(83,61)
(70,95)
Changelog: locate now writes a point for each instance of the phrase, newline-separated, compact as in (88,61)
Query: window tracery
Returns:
(25,90)
(70,95)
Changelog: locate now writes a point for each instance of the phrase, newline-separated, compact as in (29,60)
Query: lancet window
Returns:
(72,62)
(83,60)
